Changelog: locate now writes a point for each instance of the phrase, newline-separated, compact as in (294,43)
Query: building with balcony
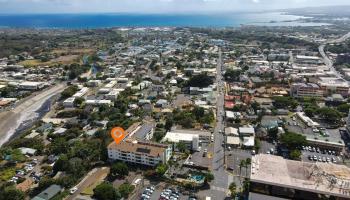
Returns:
(144,153)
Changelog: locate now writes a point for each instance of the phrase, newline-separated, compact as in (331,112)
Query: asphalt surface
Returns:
(326,59)
(90,179)
(306,154)
(221,177)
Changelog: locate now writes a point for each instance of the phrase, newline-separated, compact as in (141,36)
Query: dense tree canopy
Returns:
(69,91)
(232,75)
(293,140)
(285,102)
(126,189)
(106,191)
(201,80)
(10,193)
(329,114)
(119,169)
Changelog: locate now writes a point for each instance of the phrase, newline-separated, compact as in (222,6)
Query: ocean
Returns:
(81,21)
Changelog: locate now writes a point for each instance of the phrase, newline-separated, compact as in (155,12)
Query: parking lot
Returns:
(314,154)
(234,159)
(154,192)
(201,158)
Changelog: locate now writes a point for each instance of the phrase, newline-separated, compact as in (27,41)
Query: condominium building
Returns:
(144,153)
(305,90)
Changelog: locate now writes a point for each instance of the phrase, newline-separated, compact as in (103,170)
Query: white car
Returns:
(73,190)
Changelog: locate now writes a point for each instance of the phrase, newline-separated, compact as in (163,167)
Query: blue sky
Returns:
(154,6)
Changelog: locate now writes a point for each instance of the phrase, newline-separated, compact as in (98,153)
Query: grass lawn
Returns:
(69,59)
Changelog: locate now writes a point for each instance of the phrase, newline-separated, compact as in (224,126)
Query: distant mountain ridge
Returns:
(332,11)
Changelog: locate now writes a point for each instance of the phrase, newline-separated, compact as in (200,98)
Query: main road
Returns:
(221,177)
(326,59)
(26,110)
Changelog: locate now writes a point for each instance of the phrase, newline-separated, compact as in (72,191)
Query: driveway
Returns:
(97,174)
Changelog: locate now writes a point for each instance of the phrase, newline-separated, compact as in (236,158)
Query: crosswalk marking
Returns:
(219,189)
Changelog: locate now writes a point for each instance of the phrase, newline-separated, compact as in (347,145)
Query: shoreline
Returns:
(115,21)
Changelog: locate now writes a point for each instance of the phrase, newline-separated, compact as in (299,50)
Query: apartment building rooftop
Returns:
(148,148)
(322,178)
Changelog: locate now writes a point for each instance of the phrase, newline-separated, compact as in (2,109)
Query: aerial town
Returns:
(250,113)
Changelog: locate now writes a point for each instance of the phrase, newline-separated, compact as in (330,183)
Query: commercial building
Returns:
(308,59)
(144,153)
(29,85)
(307,120)
(331,85)
(306,90)
(277,177)
(191,138)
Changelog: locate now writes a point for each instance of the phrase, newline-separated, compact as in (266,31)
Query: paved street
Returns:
(94,175)
(328,61)
(222,178)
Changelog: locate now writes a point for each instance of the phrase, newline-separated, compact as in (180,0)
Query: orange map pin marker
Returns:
(118,134)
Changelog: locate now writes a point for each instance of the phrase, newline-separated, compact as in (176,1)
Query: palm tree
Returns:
(233,188)
(241,164)
(248,161)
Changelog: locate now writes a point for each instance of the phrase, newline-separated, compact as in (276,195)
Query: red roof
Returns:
(229,104)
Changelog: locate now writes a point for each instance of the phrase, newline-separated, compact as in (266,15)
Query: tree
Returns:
(209,177)
(285,102)
(246,185)
(168,124)
(344,108)
(309,112)
(329,114)
(201,80)
(241,164)
(187,122)
(293,140)
(233,188)
(158,135)
(78,101)
(273,132)
(198,112)
(11,193)
(68,92)
(181,146)
(232,75)
(248,162)
(295,154)
(161,169)
(257,144)
(106,191)
(119,169)
(61,164)
(126,189)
